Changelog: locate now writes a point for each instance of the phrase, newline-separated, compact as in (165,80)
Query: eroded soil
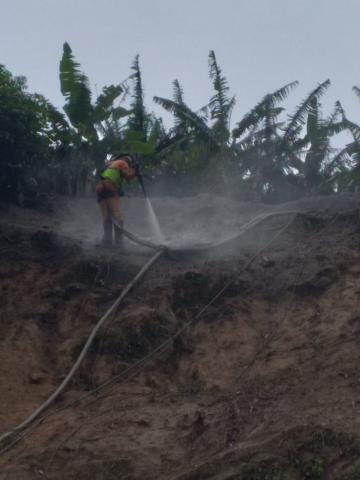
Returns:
(264,385)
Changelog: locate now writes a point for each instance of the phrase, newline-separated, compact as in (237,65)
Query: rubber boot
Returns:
(107,238)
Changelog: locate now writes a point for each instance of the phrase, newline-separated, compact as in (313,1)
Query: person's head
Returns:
(129,159)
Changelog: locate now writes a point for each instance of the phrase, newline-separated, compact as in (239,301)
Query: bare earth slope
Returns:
(265,385)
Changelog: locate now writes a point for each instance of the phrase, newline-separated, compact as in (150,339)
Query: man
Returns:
(108,190)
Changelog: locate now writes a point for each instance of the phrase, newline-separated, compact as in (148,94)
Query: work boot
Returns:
(107,238)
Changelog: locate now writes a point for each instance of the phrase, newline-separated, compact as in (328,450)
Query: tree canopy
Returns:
(267,152)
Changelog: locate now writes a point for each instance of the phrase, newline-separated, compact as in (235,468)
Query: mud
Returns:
(265,385)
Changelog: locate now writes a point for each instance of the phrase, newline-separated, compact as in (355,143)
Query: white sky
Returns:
(260,45)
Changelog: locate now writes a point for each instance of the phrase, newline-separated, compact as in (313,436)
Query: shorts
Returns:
(106,189)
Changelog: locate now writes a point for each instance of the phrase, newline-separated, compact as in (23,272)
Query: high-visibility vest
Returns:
(114,175)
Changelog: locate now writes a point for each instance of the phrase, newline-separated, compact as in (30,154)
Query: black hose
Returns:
(141,182)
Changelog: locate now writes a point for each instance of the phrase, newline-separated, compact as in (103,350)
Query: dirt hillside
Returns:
(264,385)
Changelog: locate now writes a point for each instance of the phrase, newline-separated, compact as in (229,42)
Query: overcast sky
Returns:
(260,45)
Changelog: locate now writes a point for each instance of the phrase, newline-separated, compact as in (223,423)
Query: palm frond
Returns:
(120,112)
(75,87)
(348,124)
(186,114)
(105,102)
(300,143)
(334,116)
(248,142)
(137,120)
(53,115)
(282,93)
(331,129)
(178,97)
(155,131)
(250,120)
(203,112)
(357,91)
(258,113)
(340,109)
(170,142)
(178,92)
(220,104)
(70,73)
(339,159)
(299,118)
(313,121)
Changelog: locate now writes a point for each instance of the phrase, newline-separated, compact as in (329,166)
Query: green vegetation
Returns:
(22,118)
(264,157)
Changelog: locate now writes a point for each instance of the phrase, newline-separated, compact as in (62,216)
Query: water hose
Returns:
(136,239)
(141,182)
(140,177)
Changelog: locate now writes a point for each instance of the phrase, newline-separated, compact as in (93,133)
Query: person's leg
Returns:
(105,212)
(115,212)
(107,222)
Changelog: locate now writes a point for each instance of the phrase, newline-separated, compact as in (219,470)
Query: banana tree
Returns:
(297,152)
(143,131)
(89,120)
(204,133)
(314,147)
(195,123)
(185,146)
(258,142)
(220,105)
(346,164)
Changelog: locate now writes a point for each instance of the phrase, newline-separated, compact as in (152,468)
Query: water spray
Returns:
(154,222)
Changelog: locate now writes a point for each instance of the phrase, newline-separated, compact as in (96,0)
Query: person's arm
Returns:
(127,172)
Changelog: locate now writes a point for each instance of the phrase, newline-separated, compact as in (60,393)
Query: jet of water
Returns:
(154,223)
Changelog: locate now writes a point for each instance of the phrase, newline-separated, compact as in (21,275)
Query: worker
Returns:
(108,190)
